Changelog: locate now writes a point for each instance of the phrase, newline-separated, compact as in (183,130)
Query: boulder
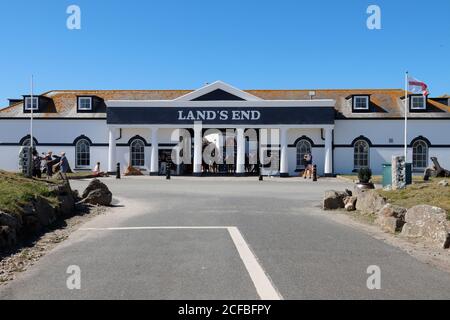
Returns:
(369,201)
(11,220)
(350,203)
(99,197)
(391,218)
(94,185)
(97,193)
(8,237)
(428,223)
(132,171)
(390,210)
(334,199)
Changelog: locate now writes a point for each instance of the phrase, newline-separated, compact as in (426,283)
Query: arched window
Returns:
(420,155)
(361,154)
(303,147)
(82,154)
(137,153)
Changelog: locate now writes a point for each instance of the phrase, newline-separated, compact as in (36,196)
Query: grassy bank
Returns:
(16,191)
(430,193)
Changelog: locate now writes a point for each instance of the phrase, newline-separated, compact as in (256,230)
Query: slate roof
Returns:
(387,103)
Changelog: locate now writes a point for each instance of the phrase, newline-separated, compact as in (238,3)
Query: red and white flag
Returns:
(417,87)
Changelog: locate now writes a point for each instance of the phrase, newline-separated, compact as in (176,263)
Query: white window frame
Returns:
(82,108)
(415,98)
(299,154)
(77,166)
(415,155)
(366,99)
(131,153)
(34,106)
(357,157)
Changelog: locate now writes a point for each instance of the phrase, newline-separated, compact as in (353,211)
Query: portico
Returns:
(278,123)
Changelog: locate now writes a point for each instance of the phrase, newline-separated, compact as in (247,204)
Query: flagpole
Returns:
(406,116)
(31,119)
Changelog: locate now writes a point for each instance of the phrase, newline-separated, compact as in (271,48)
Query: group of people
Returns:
(49,163)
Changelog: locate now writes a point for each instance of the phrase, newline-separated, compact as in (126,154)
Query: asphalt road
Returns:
(289,247)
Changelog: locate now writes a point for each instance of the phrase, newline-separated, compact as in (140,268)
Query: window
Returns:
(361,103)
(417,103)
(28,105)
(82,154)
(361,154)
(137,153)
(420,155)
(303,147)
(84,103)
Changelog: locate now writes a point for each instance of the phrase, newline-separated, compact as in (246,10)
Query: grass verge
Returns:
(17,190)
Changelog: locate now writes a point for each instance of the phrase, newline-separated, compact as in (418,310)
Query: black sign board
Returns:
(221,116)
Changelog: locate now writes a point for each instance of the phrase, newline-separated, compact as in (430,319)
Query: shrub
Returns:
(364,175)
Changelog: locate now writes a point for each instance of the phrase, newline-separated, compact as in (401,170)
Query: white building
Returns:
(344,129)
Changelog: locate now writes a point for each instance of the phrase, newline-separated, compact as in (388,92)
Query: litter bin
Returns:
(387,174)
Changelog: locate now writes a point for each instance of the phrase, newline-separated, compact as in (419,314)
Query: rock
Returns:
(350,203)
(98,197)
(11,220)
(132,171)
(387,188)
(390,210)
(389,224)
(443,183)
(334,199)
(428,223)
(94,185)
(369,201)
(8,237)
(44,211)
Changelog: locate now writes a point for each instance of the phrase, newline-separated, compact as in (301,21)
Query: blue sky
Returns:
(251,44)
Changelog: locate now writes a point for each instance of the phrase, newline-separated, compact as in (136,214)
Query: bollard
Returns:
(314,172)
(260,173)
(118,171)
(168,172)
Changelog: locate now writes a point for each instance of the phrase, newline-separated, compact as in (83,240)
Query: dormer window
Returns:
(84,103)
(418,103)
(361,103)
(31,103)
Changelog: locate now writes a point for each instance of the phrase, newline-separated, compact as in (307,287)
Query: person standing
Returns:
(49,164)
(37,173)
(63,166)
(307,162)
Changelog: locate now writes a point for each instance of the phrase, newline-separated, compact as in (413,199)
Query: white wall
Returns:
(379,132)
(50,133)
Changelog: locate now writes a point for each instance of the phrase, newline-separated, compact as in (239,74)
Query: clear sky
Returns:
(251,44)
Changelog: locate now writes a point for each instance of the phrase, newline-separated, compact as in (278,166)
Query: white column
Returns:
(328,151)
(198,144)
(240,156)
(112,165)
(154,159)
(284,167)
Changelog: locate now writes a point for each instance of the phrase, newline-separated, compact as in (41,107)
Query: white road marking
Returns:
(264,286)
(152,228)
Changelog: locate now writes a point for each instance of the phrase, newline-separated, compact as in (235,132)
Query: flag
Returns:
(417,87)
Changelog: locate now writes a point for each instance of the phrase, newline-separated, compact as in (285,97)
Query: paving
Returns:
(224,238)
